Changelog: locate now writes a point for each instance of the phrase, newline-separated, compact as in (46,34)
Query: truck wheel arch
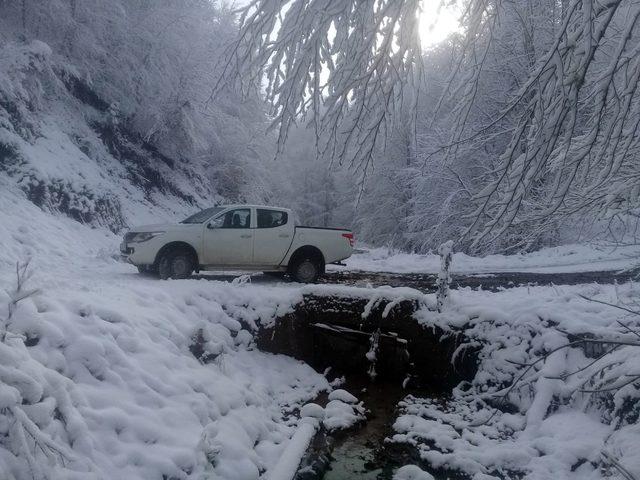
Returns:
(307,251)
(177,246)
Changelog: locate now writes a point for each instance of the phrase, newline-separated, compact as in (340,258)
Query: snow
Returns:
(289,461)
(551,429)
(343,396)
(109,378)
(566,258)
(411,472)
(340,415)
(98,378)
(111,375)
(312,410)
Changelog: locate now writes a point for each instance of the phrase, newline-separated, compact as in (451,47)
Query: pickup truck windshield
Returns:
(203,215)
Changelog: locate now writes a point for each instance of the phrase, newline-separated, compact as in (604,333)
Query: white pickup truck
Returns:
(236,237)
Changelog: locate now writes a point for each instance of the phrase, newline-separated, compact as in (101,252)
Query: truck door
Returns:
(228,239)
(273,236)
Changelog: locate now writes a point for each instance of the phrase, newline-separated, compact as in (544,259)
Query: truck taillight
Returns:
(349,236)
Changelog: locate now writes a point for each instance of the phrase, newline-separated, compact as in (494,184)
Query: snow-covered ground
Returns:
(108,375)
(97,366)
(567,416)
(97,379)
(566,258)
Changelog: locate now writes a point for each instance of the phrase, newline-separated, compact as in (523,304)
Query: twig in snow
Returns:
(19,294)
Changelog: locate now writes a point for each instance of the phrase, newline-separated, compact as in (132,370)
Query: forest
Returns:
(475,164)
(516,131)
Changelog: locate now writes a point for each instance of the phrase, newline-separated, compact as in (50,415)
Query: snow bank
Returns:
(340,415)
(411,472)
(343,396)
(98,367)
(550,425)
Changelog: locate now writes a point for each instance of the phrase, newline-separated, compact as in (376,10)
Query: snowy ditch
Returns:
(376,349)
(519,384)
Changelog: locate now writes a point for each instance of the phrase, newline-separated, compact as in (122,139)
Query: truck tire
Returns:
(306,270)
(177,264)
(274,274)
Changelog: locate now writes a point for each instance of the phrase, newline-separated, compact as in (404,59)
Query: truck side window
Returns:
(240,218)
(271,218)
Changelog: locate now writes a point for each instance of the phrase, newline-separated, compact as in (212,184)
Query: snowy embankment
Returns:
(544,403)
(563,259)
(101,371)
(97,367)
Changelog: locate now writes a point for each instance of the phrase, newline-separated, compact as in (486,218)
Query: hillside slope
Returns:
(71,151)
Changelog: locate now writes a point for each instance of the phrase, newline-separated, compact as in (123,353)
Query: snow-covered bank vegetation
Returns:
(106,111)
(556,394)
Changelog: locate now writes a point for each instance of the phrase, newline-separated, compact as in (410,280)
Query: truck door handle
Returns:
(284,235)
(245,236)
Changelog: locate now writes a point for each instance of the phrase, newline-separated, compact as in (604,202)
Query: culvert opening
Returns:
(384,353)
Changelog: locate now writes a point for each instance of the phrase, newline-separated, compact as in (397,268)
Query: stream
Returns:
(340,333)
(361,453)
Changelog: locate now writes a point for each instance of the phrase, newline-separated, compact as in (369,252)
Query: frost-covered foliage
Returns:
(520,132)
(572,414)
(106,112)
(343,64)
(527,130)
(319,194)
(573,145)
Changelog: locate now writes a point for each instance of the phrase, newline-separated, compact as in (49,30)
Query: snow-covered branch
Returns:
(344,66)
(577,114)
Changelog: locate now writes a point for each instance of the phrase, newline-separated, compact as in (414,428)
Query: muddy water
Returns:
(362,453)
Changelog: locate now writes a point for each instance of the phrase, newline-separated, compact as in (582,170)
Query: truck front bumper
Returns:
(125,252)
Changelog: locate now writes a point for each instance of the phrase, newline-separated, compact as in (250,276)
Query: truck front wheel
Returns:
(176,264)
(147,269)
(306,270)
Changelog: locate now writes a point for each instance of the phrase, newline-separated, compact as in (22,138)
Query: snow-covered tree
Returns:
(341,64)
(528,121)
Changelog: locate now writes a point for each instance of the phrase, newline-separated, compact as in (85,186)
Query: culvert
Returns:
(410,358)
(339,332)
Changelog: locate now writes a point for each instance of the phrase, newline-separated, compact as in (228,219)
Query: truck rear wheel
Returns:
(306,270)
(177,264)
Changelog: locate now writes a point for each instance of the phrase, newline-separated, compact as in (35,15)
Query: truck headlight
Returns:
(144,236)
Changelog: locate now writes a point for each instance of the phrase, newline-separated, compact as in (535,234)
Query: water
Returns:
(361,454)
